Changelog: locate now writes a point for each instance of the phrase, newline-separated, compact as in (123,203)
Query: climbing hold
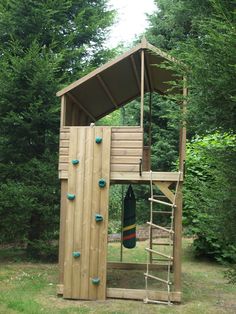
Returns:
(98,217)
(76,254)
(98,140)
(102,183)
(70,197)
(96,281)
(75,161)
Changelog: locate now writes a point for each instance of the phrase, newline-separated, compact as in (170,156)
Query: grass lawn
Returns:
(30,288)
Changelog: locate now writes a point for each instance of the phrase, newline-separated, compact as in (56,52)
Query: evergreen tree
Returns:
(202,35)
(44,45)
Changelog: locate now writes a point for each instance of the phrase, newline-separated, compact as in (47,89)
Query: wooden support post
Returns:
(63,110)
(122,219)
(179,199)
(177,247)
(142,88)
(150,80)
(182,141)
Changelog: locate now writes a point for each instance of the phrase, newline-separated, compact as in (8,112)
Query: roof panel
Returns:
(121,81)
(91,96)
(118,81)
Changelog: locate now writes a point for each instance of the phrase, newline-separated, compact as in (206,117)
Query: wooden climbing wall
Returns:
(83,234)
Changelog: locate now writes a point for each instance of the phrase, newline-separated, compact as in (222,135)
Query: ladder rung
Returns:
(161,202)
(161,212)
(160,196)
(159,227)
(157,278)
(159,253)
(160,259)
(161,243)
(146,300)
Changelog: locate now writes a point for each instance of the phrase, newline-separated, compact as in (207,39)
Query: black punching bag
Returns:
(129,226)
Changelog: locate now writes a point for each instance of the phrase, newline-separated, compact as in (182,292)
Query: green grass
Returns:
(30,288)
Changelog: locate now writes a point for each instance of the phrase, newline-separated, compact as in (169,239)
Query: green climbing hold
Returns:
(98,217)
(76,254)
(75,161)
(96,281)
(98,140)
(70,197)
(102,183)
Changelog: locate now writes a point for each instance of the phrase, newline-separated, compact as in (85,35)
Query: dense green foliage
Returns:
(202,35)
(43,45)
(210,195)
(46,44)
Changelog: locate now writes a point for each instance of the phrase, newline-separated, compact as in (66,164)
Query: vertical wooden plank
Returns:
(104,208)
(177,247)
(78,216)
(64,185)
(70,217)
(88,179)
(95,226)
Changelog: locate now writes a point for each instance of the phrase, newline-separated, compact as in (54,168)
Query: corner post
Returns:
(179,200)
(142,88)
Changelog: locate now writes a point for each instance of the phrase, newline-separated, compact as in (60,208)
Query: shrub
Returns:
(210,195)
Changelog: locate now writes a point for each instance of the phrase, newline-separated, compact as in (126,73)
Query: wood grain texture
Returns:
(83,233)
(104,210)
(139,294)
(63,209)
(71,207)
(126,149)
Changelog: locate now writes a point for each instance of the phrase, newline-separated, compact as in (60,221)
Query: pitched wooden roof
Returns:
(117,82)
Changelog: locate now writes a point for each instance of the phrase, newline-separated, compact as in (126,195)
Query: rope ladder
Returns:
(169,231)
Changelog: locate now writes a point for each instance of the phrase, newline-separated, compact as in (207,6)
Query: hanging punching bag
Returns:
(129,226)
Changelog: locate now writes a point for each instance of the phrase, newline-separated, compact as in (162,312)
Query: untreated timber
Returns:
(140,294)
(121,177)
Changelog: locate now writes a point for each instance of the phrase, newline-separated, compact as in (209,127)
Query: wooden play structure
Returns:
(94,157)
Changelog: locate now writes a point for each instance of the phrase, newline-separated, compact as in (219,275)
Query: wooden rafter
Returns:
(75,100)
(137,79)
(107,91)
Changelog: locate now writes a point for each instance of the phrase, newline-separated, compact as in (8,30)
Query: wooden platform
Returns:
(121,177)
(135,294)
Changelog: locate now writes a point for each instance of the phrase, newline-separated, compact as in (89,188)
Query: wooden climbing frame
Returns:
(93,157)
